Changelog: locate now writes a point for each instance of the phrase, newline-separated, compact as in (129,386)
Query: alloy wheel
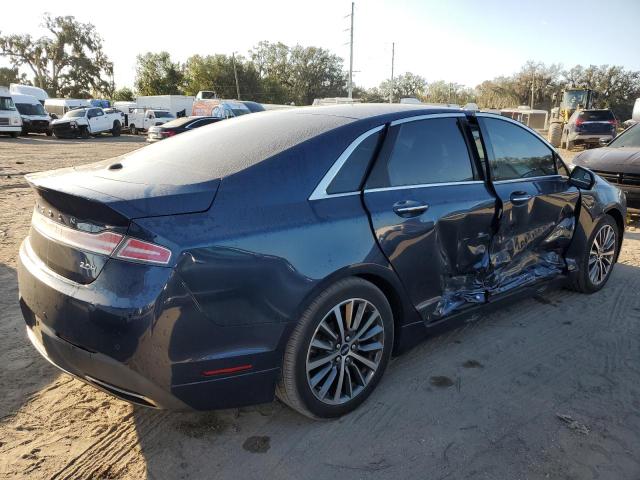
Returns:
(601,254)
(345,351)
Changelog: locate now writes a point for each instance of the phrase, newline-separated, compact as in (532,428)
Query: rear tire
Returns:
(555,134)
(352,357)
(116,129)
(14,134)
(84,132)
(133,130)
(591,277)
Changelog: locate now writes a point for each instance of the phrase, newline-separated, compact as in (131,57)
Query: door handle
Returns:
(519,197)
(409,208)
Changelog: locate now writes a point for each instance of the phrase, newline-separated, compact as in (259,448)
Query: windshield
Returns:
(30,109)
(6,103)
(628,138)
(573,98)
(161,114)
(75,113)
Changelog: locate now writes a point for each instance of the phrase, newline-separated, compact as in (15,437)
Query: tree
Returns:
(124,94)
(407,85)
(70,61)
(156,74)
(215,72)
(297,74)
(11,75)
(448,92)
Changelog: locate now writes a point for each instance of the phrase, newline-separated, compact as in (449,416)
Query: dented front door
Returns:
(536,209)
(432,214)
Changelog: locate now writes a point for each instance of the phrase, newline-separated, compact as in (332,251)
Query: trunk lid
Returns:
(96,204)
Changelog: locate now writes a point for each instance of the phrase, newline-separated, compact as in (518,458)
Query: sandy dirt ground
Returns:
(548,388)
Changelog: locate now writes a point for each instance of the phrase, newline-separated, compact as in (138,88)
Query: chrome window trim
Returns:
(427,117)
(530,179)
(423,185)
(320,192)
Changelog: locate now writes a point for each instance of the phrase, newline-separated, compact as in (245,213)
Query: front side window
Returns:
(349,178)
(424,152)
(516,152)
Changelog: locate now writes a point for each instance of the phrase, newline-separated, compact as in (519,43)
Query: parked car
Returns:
(10,121)
(82,122)
(219,108)
(35,119)
(140,119)
(253,107)
(294,251)
(618,162)
(58,107)
(177,126)
(588,127)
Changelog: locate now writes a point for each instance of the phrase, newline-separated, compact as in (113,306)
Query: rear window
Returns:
(177,123)
(161,114)
(596,115)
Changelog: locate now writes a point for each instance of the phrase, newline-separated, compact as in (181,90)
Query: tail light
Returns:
(105,242)
(579,121)
(168,133)
(613,122)
(141,251)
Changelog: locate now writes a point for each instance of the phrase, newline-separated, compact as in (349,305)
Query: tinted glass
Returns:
(596,115)
(161,114)
(75,113)
(516,152)
(349,178)
(30,109)
(425,151)
(628,138)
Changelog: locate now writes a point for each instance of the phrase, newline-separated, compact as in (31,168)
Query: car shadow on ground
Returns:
(35,139)
(489,399)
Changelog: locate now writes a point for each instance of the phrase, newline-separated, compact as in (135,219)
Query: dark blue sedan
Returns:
(293,252)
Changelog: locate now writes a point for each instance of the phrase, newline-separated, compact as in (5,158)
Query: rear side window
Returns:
(349,178)
(424,152)
(516,152)
(596,115)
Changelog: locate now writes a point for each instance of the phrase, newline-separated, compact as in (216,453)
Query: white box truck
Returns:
(178,105)
(35,119)
(10,121)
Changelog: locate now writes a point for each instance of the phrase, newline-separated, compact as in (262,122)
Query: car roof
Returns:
(225,148)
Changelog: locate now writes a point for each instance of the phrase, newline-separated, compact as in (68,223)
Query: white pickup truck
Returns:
(140,119)
(82,122)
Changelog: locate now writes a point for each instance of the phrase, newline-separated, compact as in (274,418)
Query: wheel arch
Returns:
(619,219)
(385,279)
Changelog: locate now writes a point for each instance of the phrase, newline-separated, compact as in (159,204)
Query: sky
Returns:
(460,41)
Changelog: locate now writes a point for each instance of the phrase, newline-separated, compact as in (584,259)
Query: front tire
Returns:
(14,134)
(84,132)
(133,130)
(338,351)
(115,131)
(599,257)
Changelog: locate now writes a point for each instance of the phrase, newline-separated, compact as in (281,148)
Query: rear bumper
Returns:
(589,137)
(147,345)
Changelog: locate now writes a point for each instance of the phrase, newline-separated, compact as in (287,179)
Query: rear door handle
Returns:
(409,208)
(519,197)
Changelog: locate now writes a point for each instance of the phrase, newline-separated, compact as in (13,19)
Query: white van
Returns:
(39,93)
(10,121)
(34,117)
(57,107)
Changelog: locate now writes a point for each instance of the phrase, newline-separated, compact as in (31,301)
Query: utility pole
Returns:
(351,55)
(533,86)
(235,74)
(393,54)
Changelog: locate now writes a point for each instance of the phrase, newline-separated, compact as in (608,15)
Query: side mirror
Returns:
(604,142)
(582,178)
